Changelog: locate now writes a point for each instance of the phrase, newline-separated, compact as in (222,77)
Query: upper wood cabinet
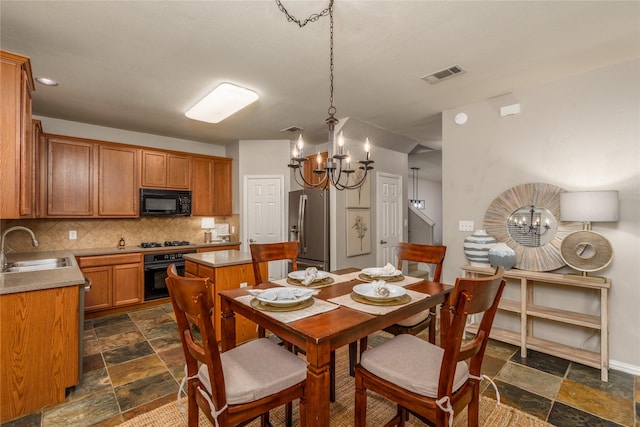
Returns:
(17,193)
(165,170)
(118,181)
(211,186)
(87,178)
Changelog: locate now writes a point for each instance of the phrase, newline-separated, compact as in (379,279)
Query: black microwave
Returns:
(164,202)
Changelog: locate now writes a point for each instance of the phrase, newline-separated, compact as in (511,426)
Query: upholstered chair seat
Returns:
(249,378)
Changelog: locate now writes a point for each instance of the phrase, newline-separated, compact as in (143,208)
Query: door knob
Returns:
(251,241)
(383,242)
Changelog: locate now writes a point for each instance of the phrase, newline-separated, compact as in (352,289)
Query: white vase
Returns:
(502,254)
(476,248)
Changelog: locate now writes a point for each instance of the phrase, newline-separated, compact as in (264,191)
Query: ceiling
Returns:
(139,65)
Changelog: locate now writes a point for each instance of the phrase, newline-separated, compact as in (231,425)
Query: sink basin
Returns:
(36,265)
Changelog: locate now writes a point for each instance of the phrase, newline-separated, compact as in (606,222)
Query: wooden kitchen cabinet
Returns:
(116,280)
(211,186)
(70,177)
(165,170)
(17,192)
(222,278)
(39,352)
(87,178)
(118,181)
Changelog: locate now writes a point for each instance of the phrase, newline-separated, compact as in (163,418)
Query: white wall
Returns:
(579,133)
(431,193)
(84,130)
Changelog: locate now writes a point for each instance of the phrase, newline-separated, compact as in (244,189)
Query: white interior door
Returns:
(389,217)
(264,215)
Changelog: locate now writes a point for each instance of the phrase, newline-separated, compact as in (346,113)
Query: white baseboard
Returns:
(624,367)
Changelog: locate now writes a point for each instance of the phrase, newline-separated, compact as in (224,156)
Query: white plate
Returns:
(295,297)
(368,290)
(375,272)
(300,275)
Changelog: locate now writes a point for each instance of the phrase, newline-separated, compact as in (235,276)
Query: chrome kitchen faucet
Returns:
(16,228)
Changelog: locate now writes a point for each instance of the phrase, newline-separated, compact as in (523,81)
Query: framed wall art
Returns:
(360,197)
(358,232)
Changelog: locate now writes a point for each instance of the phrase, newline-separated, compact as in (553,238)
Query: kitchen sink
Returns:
(36,265)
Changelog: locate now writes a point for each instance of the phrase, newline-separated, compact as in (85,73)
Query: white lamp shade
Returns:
(208,223)
(589,206)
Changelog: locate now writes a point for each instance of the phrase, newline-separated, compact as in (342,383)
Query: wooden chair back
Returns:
(265,252)
(428,254)
(470,296)
(192,301)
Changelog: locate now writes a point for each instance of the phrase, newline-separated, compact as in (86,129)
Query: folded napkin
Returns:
(282,293)
(380,288)
(310,274)
(387,270)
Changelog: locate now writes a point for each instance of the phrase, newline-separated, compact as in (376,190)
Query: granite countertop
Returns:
(220,258)
(11,283)
(68,276)
(134,249)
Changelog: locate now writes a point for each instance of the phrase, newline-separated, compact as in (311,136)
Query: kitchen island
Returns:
(226,270)
(39,330)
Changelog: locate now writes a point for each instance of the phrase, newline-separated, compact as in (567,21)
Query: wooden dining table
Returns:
(323,333)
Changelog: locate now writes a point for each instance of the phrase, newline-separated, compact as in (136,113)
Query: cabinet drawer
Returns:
(95,261)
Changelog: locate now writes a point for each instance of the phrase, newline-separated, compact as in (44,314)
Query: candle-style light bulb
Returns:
(340,142)
(319,159)
(300,143)
(367,148)
(348,159)
(294,152)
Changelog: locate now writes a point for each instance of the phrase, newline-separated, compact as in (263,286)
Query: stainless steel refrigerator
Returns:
(309,224)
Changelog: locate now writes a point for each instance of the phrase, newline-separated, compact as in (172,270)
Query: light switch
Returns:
(465,226)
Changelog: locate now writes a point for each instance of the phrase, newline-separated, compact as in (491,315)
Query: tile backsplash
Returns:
(53,234)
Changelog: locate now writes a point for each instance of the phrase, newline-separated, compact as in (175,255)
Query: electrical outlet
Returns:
(243,285)
(233,229)
(73,234)
(465,226)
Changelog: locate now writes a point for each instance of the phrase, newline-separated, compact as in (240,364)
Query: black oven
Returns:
(155,271)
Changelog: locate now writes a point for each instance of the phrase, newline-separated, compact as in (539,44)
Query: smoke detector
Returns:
(443,74)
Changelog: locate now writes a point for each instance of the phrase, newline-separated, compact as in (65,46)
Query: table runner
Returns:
(347,301)
(319,306)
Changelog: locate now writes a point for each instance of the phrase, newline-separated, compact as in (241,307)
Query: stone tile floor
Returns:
(133,363)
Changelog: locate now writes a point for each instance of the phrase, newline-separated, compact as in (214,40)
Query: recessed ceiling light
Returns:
(47,82)
(220,103)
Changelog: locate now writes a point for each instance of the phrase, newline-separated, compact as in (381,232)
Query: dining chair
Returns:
(410,252)
(236,386)
(428,254)
(431,382)
(280,251)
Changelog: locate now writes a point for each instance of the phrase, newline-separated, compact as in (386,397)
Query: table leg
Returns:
(318,384)
(228,324)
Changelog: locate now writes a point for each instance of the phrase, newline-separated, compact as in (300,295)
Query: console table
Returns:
(528,311)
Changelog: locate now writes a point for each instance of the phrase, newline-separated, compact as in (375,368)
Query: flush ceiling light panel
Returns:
(220,103)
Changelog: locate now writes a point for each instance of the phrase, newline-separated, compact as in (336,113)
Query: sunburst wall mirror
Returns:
(527,218)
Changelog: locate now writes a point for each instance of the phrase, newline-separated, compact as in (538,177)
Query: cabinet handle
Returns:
(87,284)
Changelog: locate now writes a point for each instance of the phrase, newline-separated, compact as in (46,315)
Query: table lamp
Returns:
(210,224)
(586,250)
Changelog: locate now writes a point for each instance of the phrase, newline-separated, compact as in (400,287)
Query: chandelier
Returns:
(532,227)
(337,168)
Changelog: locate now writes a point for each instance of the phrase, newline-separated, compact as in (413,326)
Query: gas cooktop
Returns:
(166,243)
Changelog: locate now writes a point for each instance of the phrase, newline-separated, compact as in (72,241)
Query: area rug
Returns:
(379,410)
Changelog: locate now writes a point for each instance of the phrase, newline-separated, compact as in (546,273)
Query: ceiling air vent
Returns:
(441,75)
(292,129)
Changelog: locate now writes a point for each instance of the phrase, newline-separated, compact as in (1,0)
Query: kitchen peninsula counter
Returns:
(220,258)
